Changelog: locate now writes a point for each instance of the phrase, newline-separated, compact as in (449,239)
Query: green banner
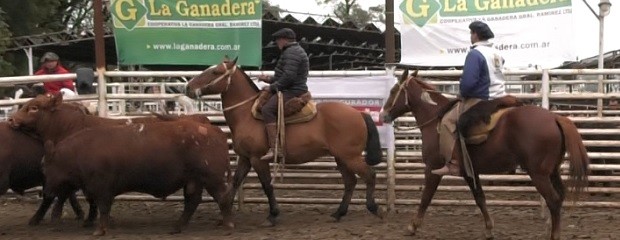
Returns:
(187,32)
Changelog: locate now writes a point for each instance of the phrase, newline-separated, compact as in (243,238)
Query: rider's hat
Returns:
(284,33)
(49,56)
(482,30)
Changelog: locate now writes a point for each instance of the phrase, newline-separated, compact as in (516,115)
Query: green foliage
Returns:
(269,7)
(31,17)
(6,69)
(351,11)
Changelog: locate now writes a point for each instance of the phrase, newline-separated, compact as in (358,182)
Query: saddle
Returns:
(296,110)
(476,123)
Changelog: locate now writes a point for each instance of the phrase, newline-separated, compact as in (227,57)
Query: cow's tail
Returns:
(373,145)
(577,156)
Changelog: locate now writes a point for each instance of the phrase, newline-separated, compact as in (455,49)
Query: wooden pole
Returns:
(100,58)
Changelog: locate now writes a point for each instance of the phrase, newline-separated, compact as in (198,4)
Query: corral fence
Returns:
(400,177)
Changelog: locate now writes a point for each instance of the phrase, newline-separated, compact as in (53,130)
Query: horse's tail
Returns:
(577,155)
(373,145)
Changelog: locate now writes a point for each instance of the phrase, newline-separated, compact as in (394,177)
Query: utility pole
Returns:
(390,49)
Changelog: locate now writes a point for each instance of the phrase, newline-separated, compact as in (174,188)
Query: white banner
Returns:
(366,94)
(528,32)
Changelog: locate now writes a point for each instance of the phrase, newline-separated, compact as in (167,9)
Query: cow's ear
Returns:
(56,100)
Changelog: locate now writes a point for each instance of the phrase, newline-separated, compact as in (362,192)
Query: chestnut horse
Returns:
(337,129)
(529,136)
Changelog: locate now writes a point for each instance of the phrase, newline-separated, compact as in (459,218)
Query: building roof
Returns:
(329,44)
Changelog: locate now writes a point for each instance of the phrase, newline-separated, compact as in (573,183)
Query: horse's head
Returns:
(214,80)
(32,111)
(410,91)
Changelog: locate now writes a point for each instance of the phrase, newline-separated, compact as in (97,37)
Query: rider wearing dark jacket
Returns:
(291,75)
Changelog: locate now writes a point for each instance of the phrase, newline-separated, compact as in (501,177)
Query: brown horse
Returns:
(529,136)
(337,129)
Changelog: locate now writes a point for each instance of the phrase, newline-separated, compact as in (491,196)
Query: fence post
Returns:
(545,88)
(391,170)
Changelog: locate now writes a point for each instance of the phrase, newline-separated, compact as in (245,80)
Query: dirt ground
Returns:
(153,220)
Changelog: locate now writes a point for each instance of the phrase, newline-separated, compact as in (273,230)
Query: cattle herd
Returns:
(63,148)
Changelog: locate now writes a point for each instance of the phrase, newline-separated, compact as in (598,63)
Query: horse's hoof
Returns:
(269,223)
(34,221)
(99,232)
(410,230)
(228,225)
(337,216)
(381,214)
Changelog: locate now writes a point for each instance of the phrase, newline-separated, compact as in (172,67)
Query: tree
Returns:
(273,9)
(6,69)
(351,11)
(24,18)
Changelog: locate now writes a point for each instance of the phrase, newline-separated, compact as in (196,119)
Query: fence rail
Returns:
(407,177)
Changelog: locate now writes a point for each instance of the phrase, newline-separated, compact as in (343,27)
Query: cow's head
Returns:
(35,111)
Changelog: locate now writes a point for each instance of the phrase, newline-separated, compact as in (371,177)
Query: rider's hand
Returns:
(266,88)
(264,78)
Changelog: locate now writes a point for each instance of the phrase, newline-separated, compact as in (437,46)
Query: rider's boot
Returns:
(271,137)
(452,167)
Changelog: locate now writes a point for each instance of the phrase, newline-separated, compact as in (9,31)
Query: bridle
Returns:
(228,73)
(402,87)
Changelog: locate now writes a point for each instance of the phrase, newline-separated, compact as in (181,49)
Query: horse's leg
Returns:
(264,175)
(545,187)
(358,166)
(349,185)
(482,204)
(243,168)
(431,181)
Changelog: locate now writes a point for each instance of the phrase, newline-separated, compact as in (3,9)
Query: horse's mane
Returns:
(247,78)
(424,84)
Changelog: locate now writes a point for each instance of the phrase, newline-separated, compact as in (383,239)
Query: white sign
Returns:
(366,94)
(528,32)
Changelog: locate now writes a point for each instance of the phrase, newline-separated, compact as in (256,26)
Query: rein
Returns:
(416,126)
(241,103)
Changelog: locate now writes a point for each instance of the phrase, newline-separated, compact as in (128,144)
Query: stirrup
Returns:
(450,168)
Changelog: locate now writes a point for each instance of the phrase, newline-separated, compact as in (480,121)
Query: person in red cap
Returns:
(291,75)
(50,65)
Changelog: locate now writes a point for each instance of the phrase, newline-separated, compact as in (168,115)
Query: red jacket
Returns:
(55,86)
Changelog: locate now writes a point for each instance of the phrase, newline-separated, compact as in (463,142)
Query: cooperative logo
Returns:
(420,11)
(128,13)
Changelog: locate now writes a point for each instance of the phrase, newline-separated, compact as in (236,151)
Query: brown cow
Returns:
(80,114)
(20,169)
(104,161)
